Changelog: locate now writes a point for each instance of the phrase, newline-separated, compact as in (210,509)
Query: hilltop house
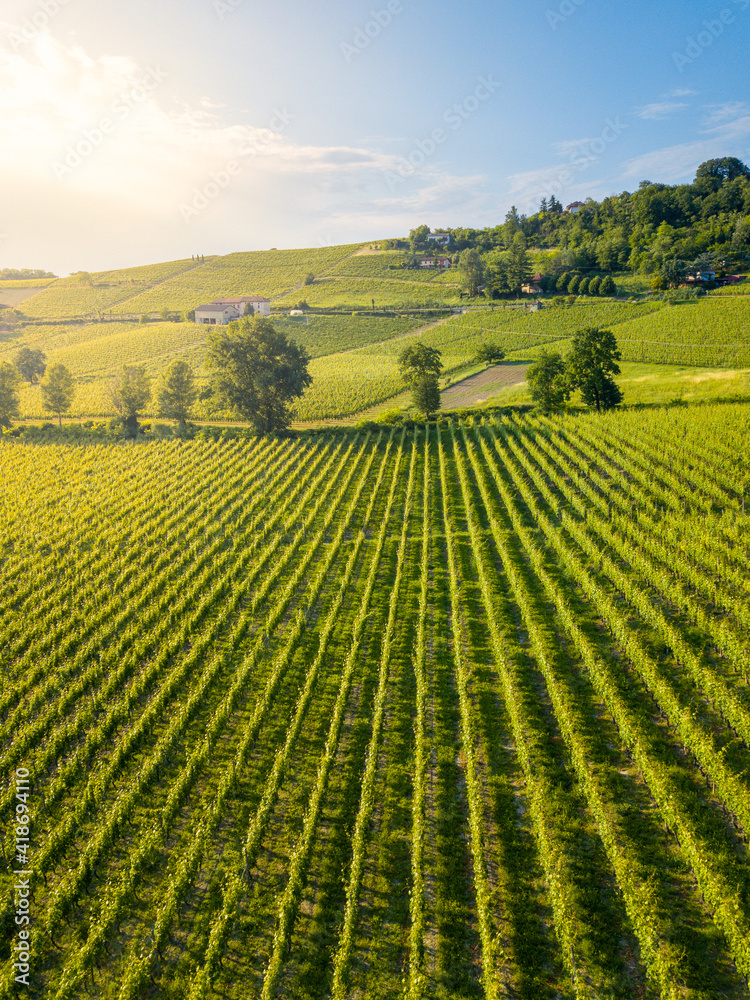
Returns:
(574,206)
(441,238)
(223,311)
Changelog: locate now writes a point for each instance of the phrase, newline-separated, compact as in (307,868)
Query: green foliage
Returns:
(470,271)
(608,287)
(426,395)
(548,380)
(9,399)
(24,274)
(177,392)
(256,372)
(58,390)
(130,393)
(489,353)
(417,361)
(31,364)
(591,365)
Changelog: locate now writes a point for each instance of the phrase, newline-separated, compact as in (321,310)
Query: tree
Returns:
(470,271)
(130,394)
(563,281)
(177,392)
(426,395)
(594,285)
(31,364)
(9,399)
(574,284)
(418,237)
(548,381)
(257,372)
(421,367)
(489,354)
(58,390)
(583,286)
(590,366)
(608,286)
(519,267)
(309,278)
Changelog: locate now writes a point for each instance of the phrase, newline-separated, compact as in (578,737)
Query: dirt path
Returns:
(478,388)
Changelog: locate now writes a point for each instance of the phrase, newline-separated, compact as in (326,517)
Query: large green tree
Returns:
(470,271)
(31,363)
(130,394)
(58,390)
(421,367)
(548,381)
(9,399)
(256,372)
(591,365)
(520,269)
(177,392)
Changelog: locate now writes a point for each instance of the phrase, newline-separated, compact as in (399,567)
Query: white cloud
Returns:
(660,110)
(100,144)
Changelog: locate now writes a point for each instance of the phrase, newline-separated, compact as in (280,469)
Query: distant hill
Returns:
(348,276)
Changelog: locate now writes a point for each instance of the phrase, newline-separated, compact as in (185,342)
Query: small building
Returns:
(259,305)
(223,311)
(574,206)
(216,314)
(442,262)
(441,238)
(533,287)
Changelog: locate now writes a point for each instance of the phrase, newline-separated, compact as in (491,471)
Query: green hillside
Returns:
(342,277)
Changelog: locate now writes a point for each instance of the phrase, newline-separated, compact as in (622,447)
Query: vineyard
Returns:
(457,711)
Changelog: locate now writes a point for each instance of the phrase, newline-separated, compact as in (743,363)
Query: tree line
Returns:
(254,372)
(660,229)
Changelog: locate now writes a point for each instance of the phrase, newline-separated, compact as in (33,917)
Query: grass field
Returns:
(449,712)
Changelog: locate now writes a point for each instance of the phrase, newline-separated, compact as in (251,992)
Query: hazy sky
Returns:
(140,131)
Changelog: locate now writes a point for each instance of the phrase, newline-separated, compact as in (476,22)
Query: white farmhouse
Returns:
(223,311)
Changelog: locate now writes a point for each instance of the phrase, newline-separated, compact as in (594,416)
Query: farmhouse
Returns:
(533,287)
(444,262)
(441,238)
(223,311)
(574,206)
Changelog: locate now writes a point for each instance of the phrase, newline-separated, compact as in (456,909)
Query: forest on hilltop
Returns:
(641,231)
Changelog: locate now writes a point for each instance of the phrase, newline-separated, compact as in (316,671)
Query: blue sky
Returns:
(137,132)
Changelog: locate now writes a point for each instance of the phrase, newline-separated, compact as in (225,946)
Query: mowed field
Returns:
(453,712)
